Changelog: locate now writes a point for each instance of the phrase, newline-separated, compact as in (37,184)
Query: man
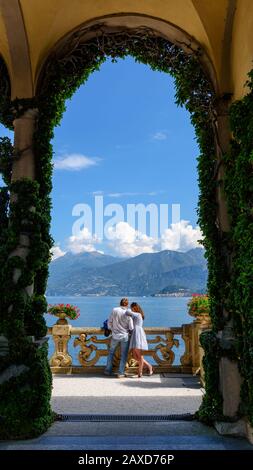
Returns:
(121,325)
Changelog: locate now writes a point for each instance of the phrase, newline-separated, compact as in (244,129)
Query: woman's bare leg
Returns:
(141,366)
(135,354)
(140,362)
(148,365)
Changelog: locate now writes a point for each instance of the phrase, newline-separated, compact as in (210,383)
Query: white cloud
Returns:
(126,241)
(74,162)
(84,242)
(181,236)
(57,252)
(160,135)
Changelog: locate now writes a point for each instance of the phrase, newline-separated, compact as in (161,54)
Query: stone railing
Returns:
(93,347)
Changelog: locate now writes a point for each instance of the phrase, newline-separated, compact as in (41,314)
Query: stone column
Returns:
(222,137)
(19,348)
(230,379)
(23,167)
(187,358)
(24,127)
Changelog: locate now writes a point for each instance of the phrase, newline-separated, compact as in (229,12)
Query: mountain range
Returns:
(147,274)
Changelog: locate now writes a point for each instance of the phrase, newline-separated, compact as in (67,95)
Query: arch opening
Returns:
(60,76)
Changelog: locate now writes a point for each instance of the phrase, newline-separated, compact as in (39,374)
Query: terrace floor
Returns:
(160,394)
(128,414)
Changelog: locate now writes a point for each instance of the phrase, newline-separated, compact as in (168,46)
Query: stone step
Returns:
(130,428)
(124,436)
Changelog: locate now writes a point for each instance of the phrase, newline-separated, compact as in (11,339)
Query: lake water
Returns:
(159,311)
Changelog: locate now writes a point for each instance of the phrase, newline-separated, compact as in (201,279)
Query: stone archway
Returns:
(27,257)
(129,23)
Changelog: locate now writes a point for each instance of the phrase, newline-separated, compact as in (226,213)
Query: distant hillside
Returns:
(146,274)
(77,265)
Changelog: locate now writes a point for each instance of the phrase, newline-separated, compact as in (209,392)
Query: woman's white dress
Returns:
(138,339)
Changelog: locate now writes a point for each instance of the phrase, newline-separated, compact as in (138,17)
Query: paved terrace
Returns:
(165,394)
(159,394)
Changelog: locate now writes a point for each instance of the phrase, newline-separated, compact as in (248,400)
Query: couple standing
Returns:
(126,325)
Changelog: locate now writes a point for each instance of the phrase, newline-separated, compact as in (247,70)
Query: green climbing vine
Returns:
(22,321)
(239,190)
(25,388)
(24,399)
(211,406)
(239,303)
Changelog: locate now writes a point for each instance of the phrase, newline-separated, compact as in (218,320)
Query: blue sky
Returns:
(123,137)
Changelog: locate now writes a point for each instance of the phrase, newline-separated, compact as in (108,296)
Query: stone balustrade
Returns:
(92,346)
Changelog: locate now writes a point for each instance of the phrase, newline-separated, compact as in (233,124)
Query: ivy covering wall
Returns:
(239,191)
(25,242)
(24,400)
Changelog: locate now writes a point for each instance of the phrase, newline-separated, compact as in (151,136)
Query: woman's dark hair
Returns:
(137,308)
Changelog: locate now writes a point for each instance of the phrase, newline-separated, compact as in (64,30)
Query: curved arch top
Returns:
(126,24)
(30,29)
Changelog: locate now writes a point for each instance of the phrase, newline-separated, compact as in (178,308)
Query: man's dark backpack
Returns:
(107,331)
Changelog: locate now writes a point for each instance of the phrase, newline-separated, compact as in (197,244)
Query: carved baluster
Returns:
(85,356)
(186,358)
(166,350)
(61,336)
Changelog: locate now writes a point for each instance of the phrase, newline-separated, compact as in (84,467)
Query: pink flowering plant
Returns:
(71,311)
(199,305)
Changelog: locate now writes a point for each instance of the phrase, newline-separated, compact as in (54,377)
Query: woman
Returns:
(138,340)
